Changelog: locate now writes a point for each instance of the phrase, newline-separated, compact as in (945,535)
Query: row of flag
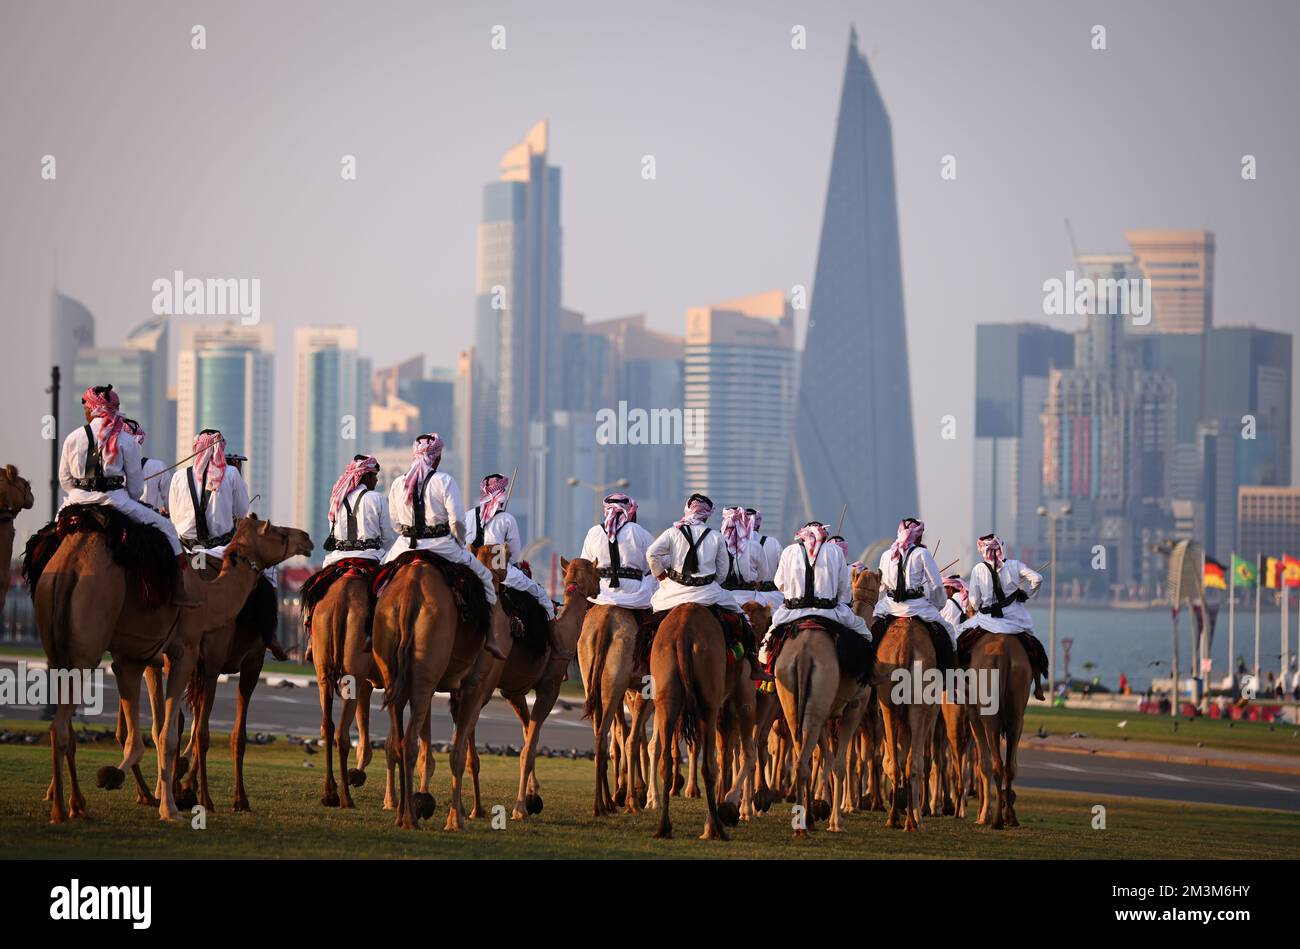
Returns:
(1278,572)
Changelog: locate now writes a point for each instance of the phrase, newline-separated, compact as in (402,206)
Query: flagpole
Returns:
(1232,615)
(1259,582)
(1286,622)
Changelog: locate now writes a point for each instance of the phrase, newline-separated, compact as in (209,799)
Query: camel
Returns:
(814,692)
(344,667)
(908,726)
(688,667)
(524,671)
(610,667)
(950,751)
(421,645)
(235,647)
(1004,660)
(15,496)
(85,607)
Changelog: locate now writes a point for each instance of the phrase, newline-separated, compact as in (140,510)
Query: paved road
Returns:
(296,711)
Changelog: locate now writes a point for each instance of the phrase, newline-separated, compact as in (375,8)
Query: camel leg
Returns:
(343,736)
(127,674)
(400,740)
(59,737)
(653,746)
(249,673)
(604,802)
(364,752)
(466,715)
(921,726)
(330,794)
(391,751)
(742,789)
(153,678)
(850,719)
(668,700)
(178,677)
(1014,724)
(693,770)
(713,829)
(990,763)
(198,779)
(428,763)
(471,757)
(546,695)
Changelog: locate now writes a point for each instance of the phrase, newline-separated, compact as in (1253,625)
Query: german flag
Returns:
(1216,575)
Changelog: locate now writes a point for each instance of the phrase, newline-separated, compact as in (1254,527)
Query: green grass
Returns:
(1210,732)
(288,821)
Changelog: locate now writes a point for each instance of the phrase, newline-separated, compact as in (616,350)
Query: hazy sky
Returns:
(225,162)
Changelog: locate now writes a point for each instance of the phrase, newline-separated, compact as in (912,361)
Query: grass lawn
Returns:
(288,821)
(1209,732)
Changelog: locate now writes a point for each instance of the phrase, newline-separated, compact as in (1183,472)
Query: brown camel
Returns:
(904,649)
(688,667)
(85,607)
(15,496)
(523,671)
(1003,659)
(813,693)
(344,667)
(421,645)
(610,667)
(236,647)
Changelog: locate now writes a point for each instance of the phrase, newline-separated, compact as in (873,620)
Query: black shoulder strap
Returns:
(809,574)
(615,560)
(352,515)
(692,562)
(94,464)
(478,525)
(200,503)
(900,578)
(999,601)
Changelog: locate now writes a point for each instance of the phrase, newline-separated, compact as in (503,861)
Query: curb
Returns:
(1272,767)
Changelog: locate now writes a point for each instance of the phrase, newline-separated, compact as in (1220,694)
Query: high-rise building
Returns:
(474,419)
(1180,266)
(1012,364)
(331,416)
(72,328)
(1268,521)
(855,353)
(518,295)
(225,380)
(740,384)
(138,373)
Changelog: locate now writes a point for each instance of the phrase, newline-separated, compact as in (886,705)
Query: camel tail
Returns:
(690,720)
(403,666)
(334,641)
(803,675)
(599,647)
(61,617)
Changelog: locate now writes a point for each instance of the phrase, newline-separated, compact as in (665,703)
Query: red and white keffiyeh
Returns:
(135,431)
(991,550)
(812,535)
(492,495)
(357,469)
(210,459)
(736,529)
(955,587)
(842,544)
(619,510)
(910,532)
(426,453)
(755,519)
(697,511)
(105,405)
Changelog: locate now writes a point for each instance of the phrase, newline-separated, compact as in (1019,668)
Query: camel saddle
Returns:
(528,623)
(466,590)
(319,583)
(945,656)
(1033,647)
(736,630)
(855,653)
(142,550)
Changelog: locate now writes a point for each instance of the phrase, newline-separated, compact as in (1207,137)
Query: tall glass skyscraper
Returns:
(853,427)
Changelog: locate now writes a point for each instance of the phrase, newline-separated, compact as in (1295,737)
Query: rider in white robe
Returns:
(630,584)
(490,523)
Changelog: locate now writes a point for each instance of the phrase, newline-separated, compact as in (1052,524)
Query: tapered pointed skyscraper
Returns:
(854,417)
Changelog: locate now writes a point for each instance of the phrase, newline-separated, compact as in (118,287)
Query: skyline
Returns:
(615,257)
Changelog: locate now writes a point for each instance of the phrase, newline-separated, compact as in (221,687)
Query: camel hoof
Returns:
(821,809)
(182,767)
(640,798)
(729,813)
(187,799)
(678,783)
(356,778)
(241,806)
(533,803)
(110,778)
(330,798)
(425,804)
(147,799)
(800,835)
(662,834)
(620,798)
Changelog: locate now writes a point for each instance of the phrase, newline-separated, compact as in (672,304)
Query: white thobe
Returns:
(767,556)
(747,566)
(633,542)
(228,502)
(157,481)
(952,617)
(830,582)
(503,529)
(442,505)
(373,523)
(919,573)
(72,464)
(669,552)
(1012,575)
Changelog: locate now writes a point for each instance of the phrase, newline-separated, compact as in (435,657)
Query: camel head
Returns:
(580,578)
(760,617)
(15,493)
(494,557)
(866,590)
(268,544)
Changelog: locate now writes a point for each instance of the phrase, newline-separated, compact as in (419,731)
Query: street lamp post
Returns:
(598,489)
(1053,518)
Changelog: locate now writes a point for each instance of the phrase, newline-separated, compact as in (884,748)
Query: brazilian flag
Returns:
(1244,573)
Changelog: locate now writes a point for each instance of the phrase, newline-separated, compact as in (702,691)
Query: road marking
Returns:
(1170,777)
(1064,767)
(1274,787)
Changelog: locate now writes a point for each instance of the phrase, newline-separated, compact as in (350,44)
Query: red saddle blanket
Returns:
(319,583)
(466,590)
(141,550)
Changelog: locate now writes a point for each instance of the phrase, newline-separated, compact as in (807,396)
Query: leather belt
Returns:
(691,581)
